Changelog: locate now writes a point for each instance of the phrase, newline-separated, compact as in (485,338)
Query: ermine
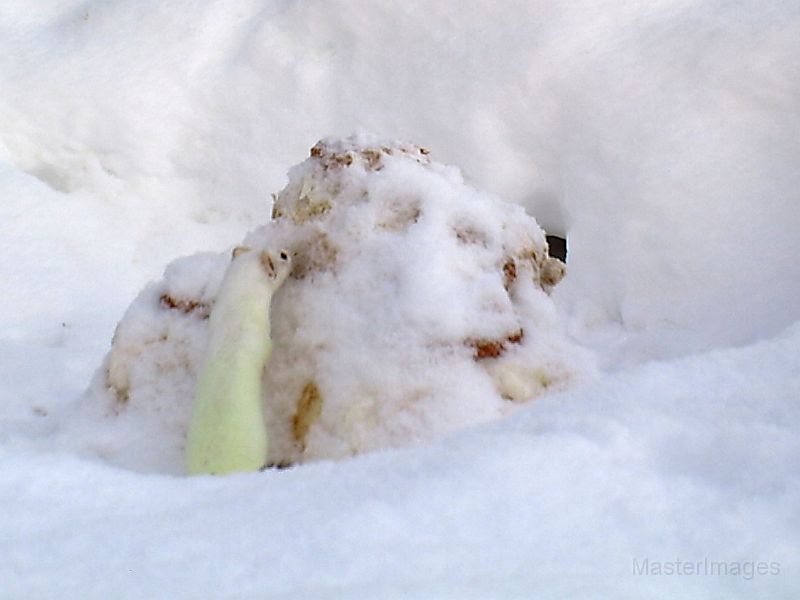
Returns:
(227,432)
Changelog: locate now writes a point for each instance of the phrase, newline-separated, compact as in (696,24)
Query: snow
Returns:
(556,501)
(662,139)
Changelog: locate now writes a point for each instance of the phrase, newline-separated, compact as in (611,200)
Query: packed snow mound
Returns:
(416,305)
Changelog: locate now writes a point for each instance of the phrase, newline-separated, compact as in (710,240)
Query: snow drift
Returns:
(676,460)
(661,139)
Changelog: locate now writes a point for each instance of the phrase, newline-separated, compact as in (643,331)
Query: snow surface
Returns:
(662,138)
(671,461)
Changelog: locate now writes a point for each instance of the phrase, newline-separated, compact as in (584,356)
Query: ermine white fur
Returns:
(227,431)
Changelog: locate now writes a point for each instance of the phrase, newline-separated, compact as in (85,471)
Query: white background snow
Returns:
(663,138)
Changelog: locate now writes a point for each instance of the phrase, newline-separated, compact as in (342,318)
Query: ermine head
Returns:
(276,265)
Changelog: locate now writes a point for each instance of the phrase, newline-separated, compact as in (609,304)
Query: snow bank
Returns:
(691,460)
(661,138)
(679,172)
(416,306)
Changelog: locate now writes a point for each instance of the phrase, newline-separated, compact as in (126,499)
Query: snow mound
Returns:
(417,305)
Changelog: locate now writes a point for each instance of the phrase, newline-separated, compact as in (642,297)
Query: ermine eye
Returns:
(284,256)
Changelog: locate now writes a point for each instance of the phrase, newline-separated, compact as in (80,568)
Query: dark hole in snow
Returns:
(557,247)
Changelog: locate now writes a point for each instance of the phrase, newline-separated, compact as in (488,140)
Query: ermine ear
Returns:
(269,264)
(240,250)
